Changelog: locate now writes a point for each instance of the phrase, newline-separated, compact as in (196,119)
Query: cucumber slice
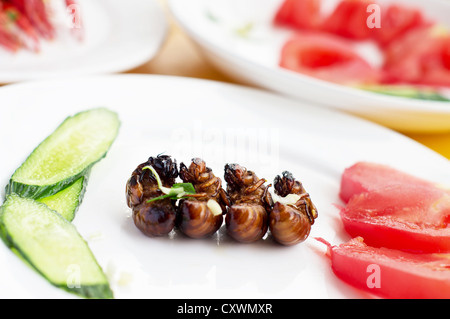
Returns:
(52,246)
(406,91)
(66,155)
(67,201)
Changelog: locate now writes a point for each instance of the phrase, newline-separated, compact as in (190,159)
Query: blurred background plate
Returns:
(119,35)
(221,29)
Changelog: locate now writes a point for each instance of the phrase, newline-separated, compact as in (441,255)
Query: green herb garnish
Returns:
(177,191)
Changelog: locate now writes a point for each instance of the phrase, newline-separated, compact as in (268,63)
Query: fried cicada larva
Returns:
(156,218)
(247,217)
(290,223)
(200,215)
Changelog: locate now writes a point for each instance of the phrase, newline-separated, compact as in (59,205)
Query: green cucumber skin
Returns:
(70,216)
(410,93)
(41,191)
(91,292)
(100,291)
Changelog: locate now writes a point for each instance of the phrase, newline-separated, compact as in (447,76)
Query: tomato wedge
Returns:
(367,176)
(406,217)
(299,14)
(326,57)
(420,57)
(446,56)
(396,20)
(349,20)
(391,273)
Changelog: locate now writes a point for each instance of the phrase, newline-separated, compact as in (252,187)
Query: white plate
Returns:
(253,59)
(221,123)
(119,35)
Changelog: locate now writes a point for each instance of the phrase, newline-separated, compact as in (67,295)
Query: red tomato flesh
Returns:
(299,14)
(366,176)
(407,217)
(326,57)
(391,273)
(396,20)
(349,20)
(420,57)
(446,55)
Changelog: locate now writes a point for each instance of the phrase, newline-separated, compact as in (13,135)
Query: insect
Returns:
(247,216)
(153,218)
(201,215)
(291,218)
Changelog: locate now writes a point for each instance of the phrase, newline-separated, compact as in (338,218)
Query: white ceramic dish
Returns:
(253,59)
(221,123)
(119,35)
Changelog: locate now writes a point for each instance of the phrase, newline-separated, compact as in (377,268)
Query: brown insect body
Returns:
(195,219)
(291,224)
(156,218)
(247,216)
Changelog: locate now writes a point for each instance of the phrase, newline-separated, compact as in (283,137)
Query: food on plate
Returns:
(250,201)
(407,217)
(201,214)
(299,14)
(153,213)
(327,57)
(8,40)
(292,213)
(352,19)
(24,23)
(407,91)
(395,21)
(66,155)
(392,209)
(349,20)
(197,206)
(414,50)
(67,201)
(366,176)
(43,196)
(401,239)
(52,246)
(427,64)
(391,273)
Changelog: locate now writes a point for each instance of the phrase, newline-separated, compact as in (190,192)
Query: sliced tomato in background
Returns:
(407,217)
(349,20)
(391,273)
(420,57)
(299,14)
(446,55)
(395,21)
(326,57)
(366,176)
(436,64)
